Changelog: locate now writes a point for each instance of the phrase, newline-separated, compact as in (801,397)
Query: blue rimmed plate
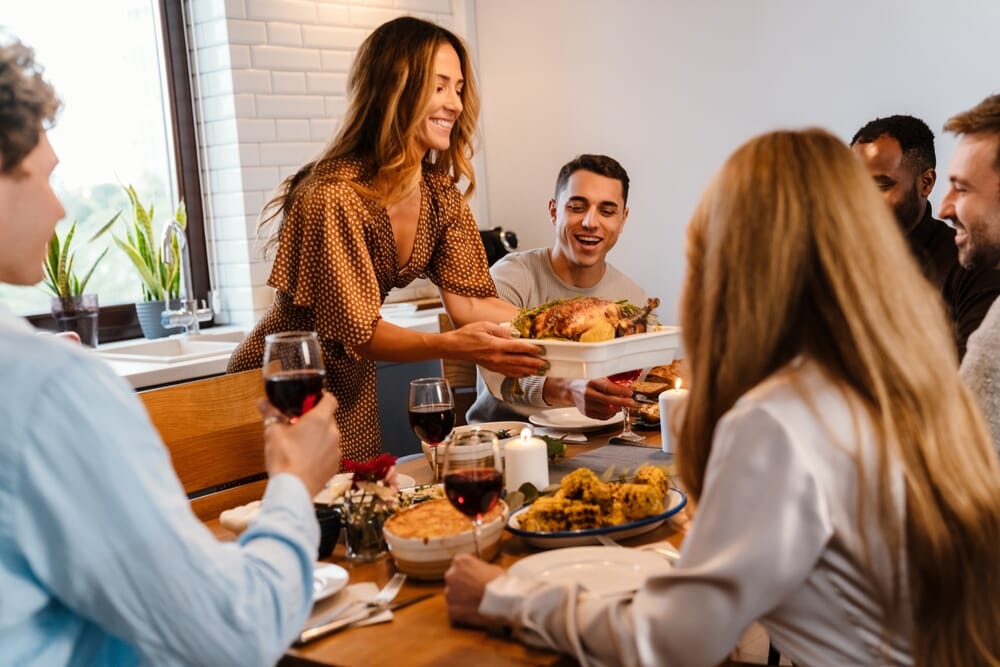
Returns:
(674,502)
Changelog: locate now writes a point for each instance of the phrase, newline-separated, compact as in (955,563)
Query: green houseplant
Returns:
(160,279)
(73,309)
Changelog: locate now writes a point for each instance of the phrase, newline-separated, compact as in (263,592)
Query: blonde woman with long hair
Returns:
(848,495)
(378,209)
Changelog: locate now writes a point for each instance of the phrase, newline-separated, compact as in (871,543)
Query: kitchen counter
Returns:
(146,371)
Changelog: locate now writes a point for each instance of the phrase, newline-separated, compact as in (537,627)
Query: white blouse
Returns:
(777,538)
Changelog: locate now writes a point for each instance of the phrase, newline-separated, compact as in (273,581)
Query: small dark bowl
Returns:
(328,517)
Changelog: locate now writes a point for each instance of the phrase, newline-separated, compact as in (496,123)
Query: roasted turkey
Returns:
(585,319)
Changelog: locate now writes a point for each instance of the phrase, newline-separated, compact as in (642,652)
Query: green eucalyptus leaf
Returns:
(514,500)
(556,448)
(529,491)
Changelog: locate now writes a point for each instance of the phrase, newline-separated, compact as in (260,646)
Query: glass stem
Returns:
(475,536)
(626,422)
(435,476)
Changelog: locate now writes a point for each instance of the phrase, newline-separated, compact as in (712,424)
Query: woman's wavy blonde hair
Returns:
(389,87)
(791,251)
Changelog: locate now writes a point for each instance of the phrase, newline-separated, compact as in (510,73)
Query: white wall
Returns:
(670,88)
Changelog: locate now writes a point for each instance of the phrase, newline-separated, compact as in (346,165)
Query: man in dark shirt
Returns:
(899,153)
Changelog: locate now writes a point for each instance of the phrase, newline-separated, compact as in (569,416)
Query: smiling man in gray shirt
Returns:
(588,214)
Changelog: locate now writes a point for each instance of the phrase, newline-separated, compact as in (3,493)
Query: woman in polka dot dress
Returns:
(379,209)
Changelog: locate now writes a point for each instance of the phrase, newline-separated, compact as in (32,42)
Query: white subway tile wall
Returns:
(270,80)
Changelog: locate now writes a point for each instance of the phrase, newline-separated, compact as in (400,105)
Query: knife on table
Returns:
(339,624)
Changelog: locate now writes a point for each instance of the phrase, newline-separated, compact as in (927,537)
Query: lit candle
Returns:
(667,400)
(526,459)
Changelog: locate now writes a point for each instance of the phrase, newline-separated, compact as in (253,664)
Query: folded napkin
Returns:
(361,592)
(238,518)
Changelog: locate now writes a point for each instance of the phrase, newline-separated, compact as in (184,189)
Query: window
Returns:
(127,118)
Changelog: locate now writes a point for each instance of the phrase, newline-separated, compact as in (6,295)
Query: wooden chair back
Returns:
(215,437)
(461,375)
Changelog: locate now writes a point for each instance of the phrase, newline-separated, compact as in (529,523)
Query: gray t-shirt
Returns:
(980,369)
(527,279)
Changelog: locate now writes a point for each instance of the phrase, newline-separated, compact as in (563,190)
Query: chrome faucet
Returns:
(189,315)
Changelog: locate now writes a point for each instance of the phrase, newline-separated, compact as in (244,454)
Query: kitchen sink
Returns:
(175,349)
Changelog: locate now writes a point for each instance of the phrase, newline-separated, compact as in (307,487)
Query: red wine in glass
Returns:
(293,372)
(473,491)
(295,392)
(473,475)
(625,379)
(432,423)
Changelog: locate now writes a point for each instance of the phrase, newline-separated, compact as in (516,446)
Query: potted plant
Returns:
(161,280)
(72,308)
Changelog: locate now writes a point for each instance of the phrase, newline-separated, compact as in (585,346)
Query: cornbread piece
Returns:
(654,477)
(640,500)
(434,518)
(582,484)
(582,516)
(616,516)
(546,515)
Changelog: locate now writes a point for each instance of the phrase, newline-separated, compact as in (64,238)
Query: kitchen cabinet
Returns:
(393,397)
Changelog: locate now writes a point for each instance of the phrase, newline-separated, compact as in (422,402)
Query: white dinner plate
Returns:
(674,502)
(570,419)
(603,571)
(327,580)
(405,481)
(512,428)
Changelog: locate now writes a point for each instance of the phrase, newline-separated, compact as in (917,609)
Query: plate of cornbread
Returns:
(585,507)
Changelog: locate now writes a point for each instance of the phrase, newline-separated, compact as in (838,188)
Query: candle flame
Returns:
(525,434)
(677,384)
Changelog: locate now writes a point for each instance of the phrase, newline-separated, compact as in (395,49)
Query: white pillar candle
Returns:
(526,459)
(668,399)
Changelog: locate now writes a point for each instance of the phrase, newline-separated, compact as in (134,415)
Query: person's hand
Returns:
(599,398)
(309,448)
(464,585)
(491,346)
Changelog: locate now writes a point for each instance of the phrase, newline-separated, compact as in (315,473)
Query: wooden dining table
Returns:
(421,634)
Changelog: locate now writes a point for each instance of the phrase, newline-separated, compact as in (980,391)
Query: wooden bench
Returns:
(215,437)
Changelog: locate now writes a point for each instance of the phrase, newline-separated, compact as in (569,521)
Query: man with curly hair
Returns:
(102,561)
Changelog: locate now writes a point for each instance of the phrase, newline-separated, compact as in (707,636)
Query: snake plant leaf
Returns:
(143,218)
(151,284)
(105,228)
(181,215)
(81,285)
(66,260)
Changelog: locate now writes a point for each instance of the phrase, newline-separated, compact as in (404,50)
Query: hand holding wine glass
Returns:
(293,372)
(432,414)
(473,475)
(625,379)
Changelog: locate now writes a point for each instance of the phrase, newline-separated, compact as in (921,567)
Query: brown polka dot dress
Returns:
(336,262)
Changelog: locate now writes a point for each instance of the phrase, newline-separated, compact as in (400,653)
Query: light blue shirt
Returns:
(102,561)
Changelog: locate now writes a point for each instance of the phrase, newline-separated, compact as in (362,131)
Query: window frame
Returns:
(119,322)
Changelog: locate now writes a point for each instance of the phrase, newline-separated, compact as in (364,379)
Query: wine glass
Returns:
(293,372)
(432,414)
(625,379)
(473,475)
